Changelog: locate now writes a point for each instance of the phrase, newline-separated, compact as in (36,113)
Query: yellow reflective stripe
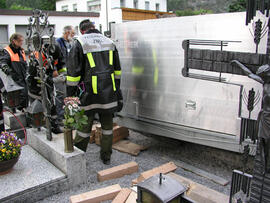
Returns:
(111,57)
(94,84)
(91,60)
(156,76)
(118,72)
(113,81)
(73,79)
(39,81)
(62,70)
(137,69)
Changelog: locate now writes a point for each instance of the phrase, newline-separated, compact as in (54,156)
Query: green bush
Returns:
(190,12)
(237,6)
(19,7)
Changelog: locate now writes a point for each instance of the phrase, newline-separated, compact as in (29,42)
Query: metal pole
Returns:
(107,18)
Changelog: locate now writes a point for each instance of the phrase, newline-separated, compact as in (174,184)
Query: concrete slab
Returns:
(72,164)
(32,178)
(11,121)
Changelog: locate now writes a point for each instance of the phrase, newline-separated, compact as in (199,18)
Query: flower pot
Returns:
(68,140)
(6,166)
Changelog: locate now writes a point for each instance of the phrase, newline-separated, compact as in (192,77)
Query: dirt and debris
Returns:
(215,161)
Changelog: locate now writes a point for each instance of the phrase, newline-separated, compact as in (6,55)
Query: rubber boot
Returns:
(106,148)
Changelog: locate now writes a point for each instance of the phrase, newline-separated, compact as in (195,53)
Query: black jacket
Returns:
(64,49)
(17,67)
(33,83)
(96,71)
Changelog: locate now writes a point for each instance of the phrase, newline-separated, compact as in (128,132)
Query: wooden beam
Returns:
(200,193)
(122,196)
(164,169)
(202,173)
(132,197)
(118,171)
(96,196)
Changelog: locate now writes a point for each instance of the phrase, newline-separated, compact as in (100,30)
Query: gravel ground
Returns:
(160,151)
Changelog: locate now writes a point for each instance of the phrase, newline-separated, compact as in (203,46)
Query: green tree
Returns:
(3,4)
(174,5)
(34,4)
(189,12)
(19,7)
(48,5)
(237,6)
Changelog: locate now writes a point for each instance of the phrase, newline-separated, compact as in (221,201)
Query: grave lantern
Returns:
(11,91)
(162,189)
(35,114)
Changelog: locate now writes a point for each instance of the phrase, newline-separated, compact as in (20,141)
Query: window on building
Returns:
(157,7)
(147,5)
(65,8)
(94,6)
(135,2)
(3,35)
(122,3)
(75,8)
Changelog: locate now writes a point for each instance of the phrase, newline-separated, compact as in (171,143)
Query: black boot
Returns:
(106,149)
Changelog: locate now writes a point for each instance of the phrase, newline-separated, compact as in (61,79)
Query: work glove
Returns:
(59,79)
(120,103)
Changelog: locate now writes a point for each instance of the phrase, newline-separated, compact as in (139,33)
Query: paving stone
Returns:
(32,178)
(72,164)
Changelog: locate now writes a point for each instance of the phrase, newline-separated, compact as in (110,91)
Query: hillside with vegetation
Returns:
(28,4)
(180,7)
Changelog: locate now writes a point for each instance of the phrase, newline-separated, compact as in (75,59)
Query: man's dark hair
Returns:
(86,25)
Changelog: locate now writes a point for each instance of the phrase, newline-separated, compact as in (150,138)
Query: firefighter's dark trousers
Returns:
(82,137)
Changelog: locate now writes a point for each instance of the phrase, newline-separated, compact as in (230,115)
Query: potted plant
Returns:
(74,119)
(10,150)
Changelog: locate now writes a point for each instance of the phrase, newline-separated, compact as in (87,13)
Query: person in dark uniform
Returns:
(13,62)
(94,63)
(34,83)
(65,44)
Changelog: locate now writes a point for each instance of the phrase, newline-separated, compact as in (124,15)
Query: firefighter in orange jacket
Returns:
(13,62)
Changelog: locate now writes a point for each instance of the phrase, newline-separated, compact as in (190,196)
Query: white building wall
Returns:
(82,4)
(58,21)
(114,11)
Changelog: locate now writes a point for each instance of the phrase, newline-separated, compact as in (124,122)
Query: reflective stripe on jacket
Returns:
(99,71)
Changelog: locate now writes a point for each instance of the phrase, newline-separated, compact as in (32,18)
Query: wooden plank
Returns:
(93,132)
(200,193)
(119,133)
(96,196)
(128,147)
(118,171)
(202,173)
(122,196)
(132,197)
(165,168)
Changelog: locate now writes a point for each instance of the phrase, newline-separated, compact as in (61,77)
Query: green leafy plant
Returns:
(189,12)
(19,7)
(74,116)
(3,4)
(237,6)
(10,146)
